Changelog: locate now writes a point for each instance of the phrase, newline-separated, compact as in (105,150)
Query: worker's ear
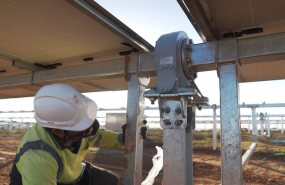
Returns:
(58,133)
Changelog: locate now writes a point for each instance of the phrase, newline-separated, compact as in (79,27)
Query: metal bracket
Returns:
(173,113)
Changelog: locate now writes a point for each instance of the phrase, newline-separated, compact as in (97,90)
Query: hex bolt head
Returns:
(199,107)
(166,122)
(188,59)
(167,110)
(178,122)
(152,100)
(178,110)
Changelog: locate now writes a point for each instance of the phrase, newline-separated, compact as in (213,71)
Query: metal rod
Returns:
(246,156)
(230,126)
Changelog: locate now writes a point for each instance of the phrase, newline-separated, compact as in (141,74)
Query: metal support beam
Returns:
(282,125)
(246,156)
(254,124)
(27,66)
(264,105)
(95,11)
(248,125)
(203,57)
(268,125)
(174,124)
(134,141)
(200,16)
(174,157)
(191,114)
(261,127)
(214,127)
(20,63)
(230,126)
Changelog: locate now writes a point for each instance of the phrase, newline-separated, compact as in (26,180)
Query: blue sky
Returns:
(151,19)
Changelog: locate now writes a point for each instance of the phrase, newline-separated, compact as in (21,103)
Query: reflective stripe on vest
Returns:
(40,145)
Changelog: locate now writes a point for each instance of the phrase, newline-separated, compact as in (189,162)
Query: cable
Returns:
(265,158)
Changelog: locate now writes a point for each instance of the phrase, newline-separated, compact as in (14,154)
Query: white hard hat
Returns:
(61,106)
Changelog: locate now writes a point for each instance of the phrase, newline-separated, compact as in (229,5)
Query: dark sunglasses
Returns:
(92,130)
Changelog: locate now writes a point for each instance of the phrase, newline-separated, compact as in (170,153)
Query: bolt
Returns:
(152,100)
(166,122)
(178,122)
(143,132)
(167,110)
(188,59)
(199,107)
(178,110)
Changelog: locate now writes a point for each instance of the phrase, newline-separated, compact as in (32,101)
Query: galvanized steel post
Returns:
(282,128)
(230,126)
(189,145)
(268,125)
(261,125)
(254,124)
(214,127)
(174,159)
(134,141)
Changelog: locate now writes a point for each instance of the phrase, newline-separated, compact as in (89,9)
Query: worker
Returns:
(53,150)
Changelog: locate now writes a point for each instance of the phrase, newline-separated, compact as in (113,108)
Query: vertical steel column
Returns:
(248,125)
(282,128)
(230,126)
(191,112)
(174,157)
(11,125)
(134,141)
(174,167)
(214,127)
(189,157)
(268,126)
(254,124)
(261,127)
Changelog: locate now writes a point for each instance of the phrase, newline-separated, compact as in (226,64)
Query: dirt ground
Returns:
(206,165)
